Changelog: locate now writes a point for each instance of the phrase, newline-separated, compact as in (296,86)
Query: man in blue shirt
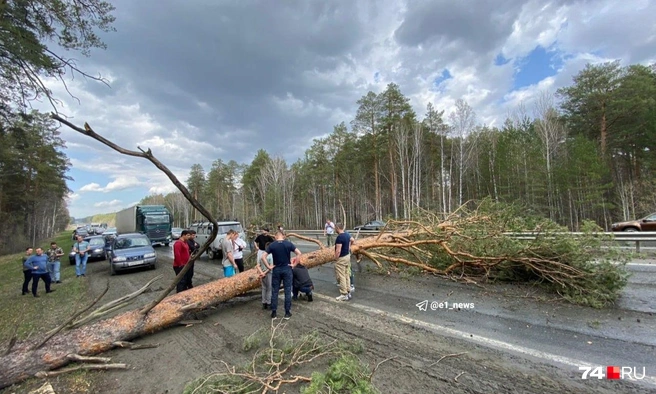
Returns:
(81,248)
(39,264)
(343,257)
(282,267)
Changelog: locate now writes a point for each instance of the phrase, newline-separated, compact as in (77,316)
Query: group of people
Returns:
(41,266)
(275,266)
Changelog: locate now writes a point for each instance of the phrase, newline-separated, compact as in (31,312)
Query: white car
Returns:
(204,230)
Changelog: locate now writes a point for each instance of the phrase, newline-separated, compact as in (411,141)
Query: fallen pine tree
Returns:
(560,262)
(471,244)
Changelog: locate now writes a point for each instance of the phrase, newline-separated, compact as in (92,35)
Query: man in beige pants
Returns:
(343,255)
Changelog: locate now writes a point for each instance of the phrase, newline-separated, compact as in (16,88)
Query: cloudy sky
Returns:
(200,80)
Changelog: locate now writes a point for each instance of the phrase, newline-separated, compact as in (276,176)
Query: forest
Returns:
(38,40)
(583,153)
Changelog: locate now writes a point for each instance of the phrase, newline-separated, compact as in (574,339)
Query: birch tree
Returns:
(462,120)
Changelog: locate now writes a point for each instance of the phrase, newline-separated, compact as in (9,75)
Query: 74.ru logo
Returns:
(612,372)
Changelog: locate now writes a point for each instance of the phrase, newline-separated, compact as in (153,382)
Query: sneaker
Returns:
(84,275)
(265,305)
(294,298)
(274,315)
(309,297)
(352,288)
(288,316)
(36,295)
(51,291)
(59,281)
(343,297)
(350,296)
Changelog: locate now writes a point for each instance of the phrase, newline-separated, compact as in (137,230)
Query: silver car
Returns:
(130,251)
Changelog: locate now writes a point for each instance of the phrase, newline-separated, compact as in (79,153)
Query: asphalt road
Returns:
(515,319)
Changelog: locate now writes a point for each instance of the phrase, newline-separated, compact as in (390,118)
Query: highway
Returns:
(519,320)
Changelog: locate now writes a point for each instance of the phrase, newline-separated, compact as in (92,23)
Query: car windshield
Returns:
(176,229)
(97,242)
(135,242)
(157,219)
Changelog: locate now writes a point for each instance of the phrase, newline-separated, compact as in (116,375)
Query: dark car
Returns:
(96,246)
(648,223)
(129,251)
(373,225)
(80,231)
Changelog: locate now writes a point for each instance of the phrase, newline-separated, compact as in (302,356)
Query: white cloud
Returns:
(72,197)
(120,183)
(91,187)
(108,204)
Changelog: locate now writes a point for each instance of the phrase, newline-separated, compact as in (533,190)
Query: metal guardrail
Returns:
(637,237)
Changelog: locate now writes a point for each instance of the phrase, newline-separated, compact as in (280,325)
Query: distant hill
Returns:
(109,218)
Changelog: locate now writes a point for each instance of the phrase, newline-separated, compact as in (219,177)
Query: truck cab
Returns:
(204,231)
(155,223)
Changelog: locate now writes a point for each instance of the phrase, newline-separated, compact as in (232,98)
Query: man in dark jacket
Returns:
(39,264)
(302,282)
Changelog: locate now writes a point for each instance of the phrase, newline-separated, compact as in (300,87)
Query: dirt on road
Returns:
(186,353)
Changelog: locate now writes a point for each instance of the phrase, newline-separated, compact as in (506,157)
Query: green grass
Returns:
(31,317)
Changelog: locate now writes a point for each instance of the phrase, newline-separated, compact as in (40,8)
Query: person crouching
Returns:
(302,282)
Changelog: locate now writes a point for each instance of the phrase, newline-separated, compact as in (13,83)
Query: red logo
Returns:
(612,372)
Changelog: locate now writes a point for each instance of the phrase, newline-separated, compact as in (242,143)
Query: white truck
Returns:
(204,230)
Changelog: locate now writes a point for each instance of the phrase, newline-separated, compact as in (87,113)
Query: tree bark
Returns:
(92,339)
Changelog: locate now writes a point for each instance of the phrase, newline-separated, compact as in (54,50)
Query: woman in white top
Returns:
(238,246)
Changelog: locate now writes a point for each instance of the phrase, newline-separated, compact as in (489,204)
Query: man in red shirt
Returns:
(180,258)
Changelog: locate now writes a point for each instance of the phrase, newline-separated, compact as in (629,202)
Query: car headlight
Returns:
(97,250)
(119,258)
(151,254)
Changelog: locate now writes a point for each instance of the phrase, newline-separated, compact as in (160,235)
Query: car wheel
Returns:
(630,230)
(210,254)
(166,244)
(152,267)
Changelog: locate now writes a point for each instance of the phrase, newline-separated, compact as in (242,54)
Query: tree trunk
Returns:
(24,362)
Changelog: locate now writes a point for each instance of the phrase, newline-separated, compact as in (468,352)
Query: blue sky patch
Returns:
(539,64)
(441,78)
(500,60)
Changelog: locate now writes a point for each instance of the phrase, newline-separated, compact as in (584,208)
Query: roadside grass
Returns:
(26,317)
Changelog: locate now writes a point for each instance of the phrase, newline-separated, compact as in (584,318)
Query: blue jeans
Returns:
(53,268)
(305,289)
(284,275)
(81,264)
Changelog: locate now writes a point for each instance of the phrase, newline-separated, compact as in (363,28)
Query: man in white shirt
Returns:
(328,231)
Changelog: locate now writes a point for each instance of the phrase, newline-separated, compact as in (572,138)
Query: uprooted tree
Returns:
(472,244)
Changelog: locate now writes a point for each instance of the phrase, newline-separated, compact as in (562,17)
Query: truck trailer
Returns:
(153,220)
